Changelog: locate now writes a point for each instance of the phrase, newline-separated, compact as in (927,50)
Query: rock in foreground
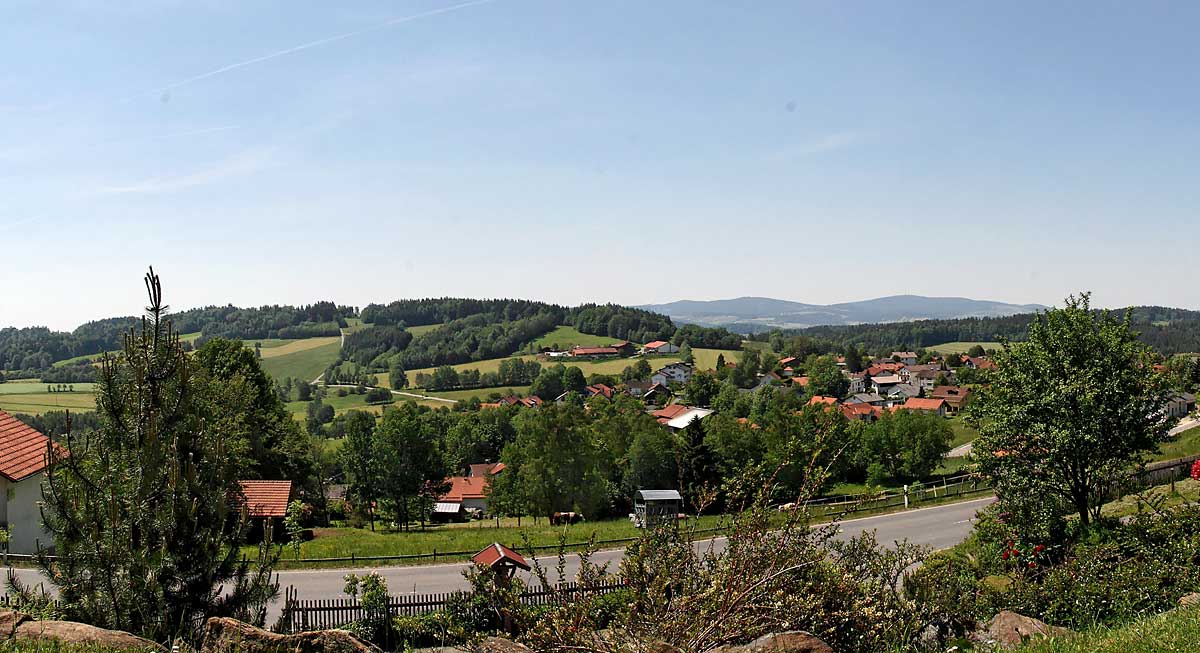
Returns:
(796,641)
(1009,629)
(223,635)
(18,626)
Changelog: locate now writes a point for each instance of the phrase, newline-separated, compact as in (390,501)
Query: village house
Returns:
(820,400)
(678,416)
(861,412)
(1180,404)
(954,396)
(978,362)
(660,347)
(673,374)
(902,392)
(883,369)
(935,406)
(884,383)
(22,467)
(906,357)
(625,349)
(467,493)
(869,398)
(532,401)
(858,381)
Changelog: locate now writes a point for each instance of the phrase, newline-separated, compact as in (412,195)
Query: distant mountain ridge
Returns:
(755,314)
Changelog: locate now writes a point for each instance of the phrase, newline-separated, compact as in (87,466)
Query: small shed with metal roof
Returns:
(654,507)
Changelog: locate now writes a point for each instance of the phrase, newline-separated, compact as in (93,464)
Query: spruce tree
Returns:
(144,509)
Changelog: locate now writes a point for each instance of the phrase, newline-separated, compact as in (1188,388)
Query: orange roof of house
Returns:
(800,380)
(656,344)
(820,399)
(668,413)
(22,448)
(787,361)
(918,403)
(496,553)
(266,498)
(852,411)
(600,389)
(465,487)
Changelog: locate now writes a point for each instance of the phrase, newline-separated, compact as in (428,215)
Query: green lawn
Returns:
(961,347)
(302,359)
(419,331)
(482,393)
(1185,491)
(470,537)
(706,359)
(1184,444)
(565,337)
(1176,631)
(962,433)
(32,398)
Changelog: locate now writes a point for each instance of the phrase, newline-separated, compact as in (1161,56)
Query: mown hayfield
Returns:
(278,348)
(565,337)
(961,347)
(706,359)
(482,393)
(418,331)
(303,361)
(32,398)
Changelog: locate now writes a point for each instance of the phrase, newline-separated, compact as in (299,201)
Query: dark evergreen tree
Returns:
(146,531)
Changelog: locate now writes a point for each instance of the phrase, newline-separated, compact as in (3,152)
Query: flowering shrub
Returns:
(1023,556)
(1195,471)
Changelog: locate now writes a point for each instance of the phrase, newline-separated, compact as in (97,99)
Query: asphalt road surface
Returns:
(938,527)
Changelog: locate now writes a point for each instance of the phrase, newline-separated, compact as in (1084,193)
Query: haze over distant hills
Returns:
(752,314)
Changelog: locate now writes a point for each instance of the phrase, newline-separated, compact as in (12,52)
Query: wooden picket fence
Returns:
(319,614)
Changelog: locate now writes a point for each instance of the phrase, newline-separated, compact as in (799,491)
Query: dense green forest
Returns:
(1167,330)
(37,348)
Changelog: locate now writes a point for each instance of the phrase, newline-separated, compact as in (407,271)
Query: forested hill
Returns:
(470,330)
(36,348)
(1167,330)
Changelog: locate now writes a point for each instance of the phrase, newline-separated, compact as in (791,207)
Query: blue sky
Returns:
(284,152)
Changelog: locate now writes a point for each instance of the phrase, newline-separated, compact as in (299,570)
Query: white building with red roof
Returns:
(23,462)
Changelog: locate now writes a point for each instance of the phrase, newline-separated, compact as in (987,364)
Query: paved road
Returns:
(938,527)
(964,450)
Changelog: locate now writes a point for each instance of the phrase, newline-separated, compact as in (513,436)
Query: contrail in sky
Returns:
(319,42)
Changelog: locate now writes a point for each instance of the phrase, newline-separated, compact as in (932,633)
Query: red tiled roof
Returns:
(496,553)
(22,448)
(787,361)
(594,351)
(801,381)
(819,399)
(918,403)
(668,413)
(858,411)
(600,389)
(266,498)
(656,344)
(465,487)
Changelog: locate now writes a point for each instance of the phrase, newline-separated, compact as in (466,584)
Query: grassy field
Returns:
(278,348)
(962,433)
(419,331)
(1176,631)
(471,536)
(1185,491)
(1185,444)
(32,398)
(565,337)
(482,393)
(301,359)
(961,347)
